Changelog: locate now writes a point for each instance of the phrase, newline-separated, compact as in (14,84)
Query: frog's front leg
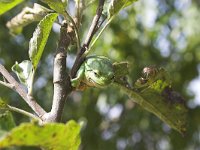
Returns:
(75,82)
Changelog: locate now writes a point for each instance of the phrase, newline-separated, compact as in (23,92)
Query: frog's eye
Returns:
(96,73)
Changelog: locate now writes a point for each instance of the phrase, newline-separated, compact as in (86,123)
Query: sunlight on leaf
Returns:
(3,105)
(57,5)
(6,5)
(54,136)
(116,5)
(153,92)
(27,16)
(39,39)
(24,71)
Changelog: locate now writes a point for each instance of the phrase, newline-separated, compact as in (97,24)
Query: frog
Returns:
(95,71)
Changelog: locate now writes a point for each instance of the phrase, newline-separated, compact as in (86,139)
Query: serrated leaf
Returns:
(6,123)
(6,5)
(24,72)
(116,5)
(57,5)
(39,39)
(54,136)
(158,98)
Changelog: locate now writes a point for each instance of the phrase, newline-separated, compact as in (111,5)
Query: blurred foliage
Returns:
(151,32)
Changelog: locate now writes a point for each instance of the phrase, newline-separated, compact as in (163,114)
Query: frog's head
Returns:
(99,71)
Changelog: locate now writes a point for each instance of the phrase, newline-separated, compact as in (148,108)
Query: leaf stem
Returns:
(99,34)
(15,109)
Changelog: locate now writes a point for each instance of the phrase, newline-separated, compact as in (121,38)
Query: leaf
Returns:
(57,5)
(6,122)
(158,98)
(54,136)
(120,69)
(6,5)
(3,105)
(27,16)
(39,39)
(116,5)
(24,72)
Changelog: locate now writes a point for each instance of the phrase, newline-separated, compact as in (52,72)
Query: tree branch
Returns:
(61,80)
(91,32)
(19,89)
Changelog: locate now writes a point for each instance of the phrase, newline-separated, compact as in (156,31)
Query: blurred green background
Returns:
(151,32)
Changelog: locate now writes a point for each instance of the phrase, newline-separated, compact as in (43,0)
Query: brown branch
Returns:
(91,32)
(61,80)
(19,89)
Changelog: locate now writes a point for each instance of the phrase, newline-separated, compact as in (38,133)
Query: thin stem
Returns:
(97,37)
(15,109)
(19,89)
(94,24)
(75,29)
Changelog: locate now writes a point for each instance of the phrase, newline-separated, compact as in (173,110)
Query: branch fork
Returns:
(61,79)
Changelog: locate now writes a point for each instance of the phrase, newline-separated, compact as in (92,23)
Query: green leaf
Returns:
(6,5)
(116,5)
(24,72)
(39,39)
(57,5)
(54,136)
(6,122)
(120,69)
(155,95)
(3,105)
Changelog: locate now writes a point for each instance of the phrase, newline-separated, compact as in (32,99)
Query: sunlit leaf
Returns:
(27,16)
(158,98)
(3,105)
(116,5)
(6,5)
(57,5)
(39,39)
(24,72)
(54,136)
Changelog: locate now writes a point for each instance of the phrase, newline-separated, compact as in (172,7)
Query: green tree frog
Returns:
(95,71)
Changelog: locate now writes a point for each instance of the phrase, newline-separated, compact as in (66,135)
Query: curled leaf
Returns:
(24,72)
(153,92)
(27,16)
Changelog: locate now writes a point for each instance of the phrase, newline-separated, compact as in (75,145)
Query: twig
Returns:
(91,32)
(94,23)
(18,88)
(99,34)
(15,109)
